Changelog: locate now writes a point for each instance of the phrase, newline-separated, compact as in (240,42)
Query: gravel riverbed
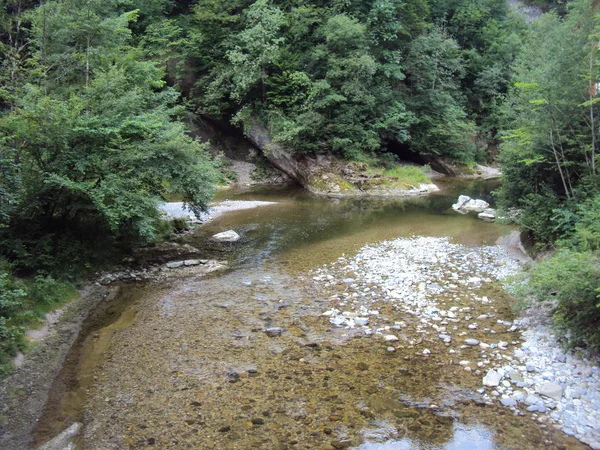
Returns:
(447,294)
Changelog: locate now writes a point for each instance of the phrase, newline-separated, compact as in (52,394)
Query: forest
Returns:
(96,99)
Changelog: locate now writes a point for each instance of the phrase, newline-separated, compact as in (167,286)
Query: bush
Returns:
(572,280)
(22,305)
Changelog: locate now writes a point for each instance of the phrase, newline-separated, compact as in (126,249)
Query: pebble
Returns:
(405,274)
(273,331)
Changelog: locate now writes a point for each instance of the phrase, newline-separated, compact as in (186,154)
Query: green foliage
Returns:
(94,144)
(572,280)
(549,154)
(22,305)
(349,77)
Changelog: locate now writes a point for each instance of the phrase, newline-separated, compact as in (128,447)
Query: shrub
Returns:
(572,280)
(23,304)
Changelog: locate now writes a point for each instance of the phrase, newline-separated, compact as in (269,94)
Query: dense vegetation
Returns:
(550,163)
(93,135)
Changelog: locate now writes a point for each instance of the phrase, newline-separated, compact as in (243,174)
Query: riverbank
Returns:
(449,295)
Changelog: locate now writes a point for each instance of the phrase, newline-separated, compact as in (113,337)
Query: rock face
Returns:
(227,236)
(300,168)
(325,174)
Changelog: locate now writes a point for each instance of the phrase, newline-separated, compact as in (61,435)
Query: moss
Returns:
(330,183)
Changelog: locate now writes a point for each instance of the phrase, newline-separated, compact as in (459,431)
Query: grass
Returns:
(401,176)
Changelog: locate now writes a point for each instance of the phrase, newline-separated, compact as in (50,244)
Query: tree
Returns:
(95,144)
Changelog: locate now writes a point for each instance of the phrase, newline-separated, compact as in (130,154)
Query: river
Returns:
(185,362)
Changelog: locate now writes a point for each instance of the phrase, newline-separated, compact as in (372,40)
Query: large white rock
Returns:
(227,236)
(475,205)
(492,378)
(462,199)
(467,204)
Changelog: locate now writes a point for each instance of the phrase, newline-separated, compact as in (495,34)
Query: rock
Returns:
(508,401)
(471,342)
(164,252)
(361,321)
(530,368)
(227,236)
(391,349)
(515,375)
(467,204)
(489,215)
(273,331)
(475,205)
(191,262)
(492,378)
(532,400)
(174,264)
(551,390)
(462,199)
(390,338)
(64,440)
(337,320)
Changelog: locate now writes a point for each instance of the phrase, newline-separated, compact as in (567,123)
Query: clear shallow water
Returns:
(185,363)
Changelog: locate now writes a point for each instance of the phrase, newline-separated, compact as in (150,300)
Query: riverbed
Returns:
(252,357)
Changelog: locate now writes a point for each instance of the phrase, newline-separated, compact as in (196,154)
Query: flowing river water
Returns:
(185,362)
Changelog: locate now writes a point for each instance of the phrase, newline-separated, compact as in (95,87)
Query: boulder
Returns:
(227,236)
(273,331)
(462,199)
(467,204)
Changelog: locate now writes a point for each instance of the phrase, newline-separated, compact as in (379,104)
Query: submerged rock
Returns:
(64,441)
(274,331)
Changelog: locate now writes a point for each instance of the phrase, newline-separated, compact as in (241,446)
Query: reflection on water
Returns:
(463,438)
(305,231)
